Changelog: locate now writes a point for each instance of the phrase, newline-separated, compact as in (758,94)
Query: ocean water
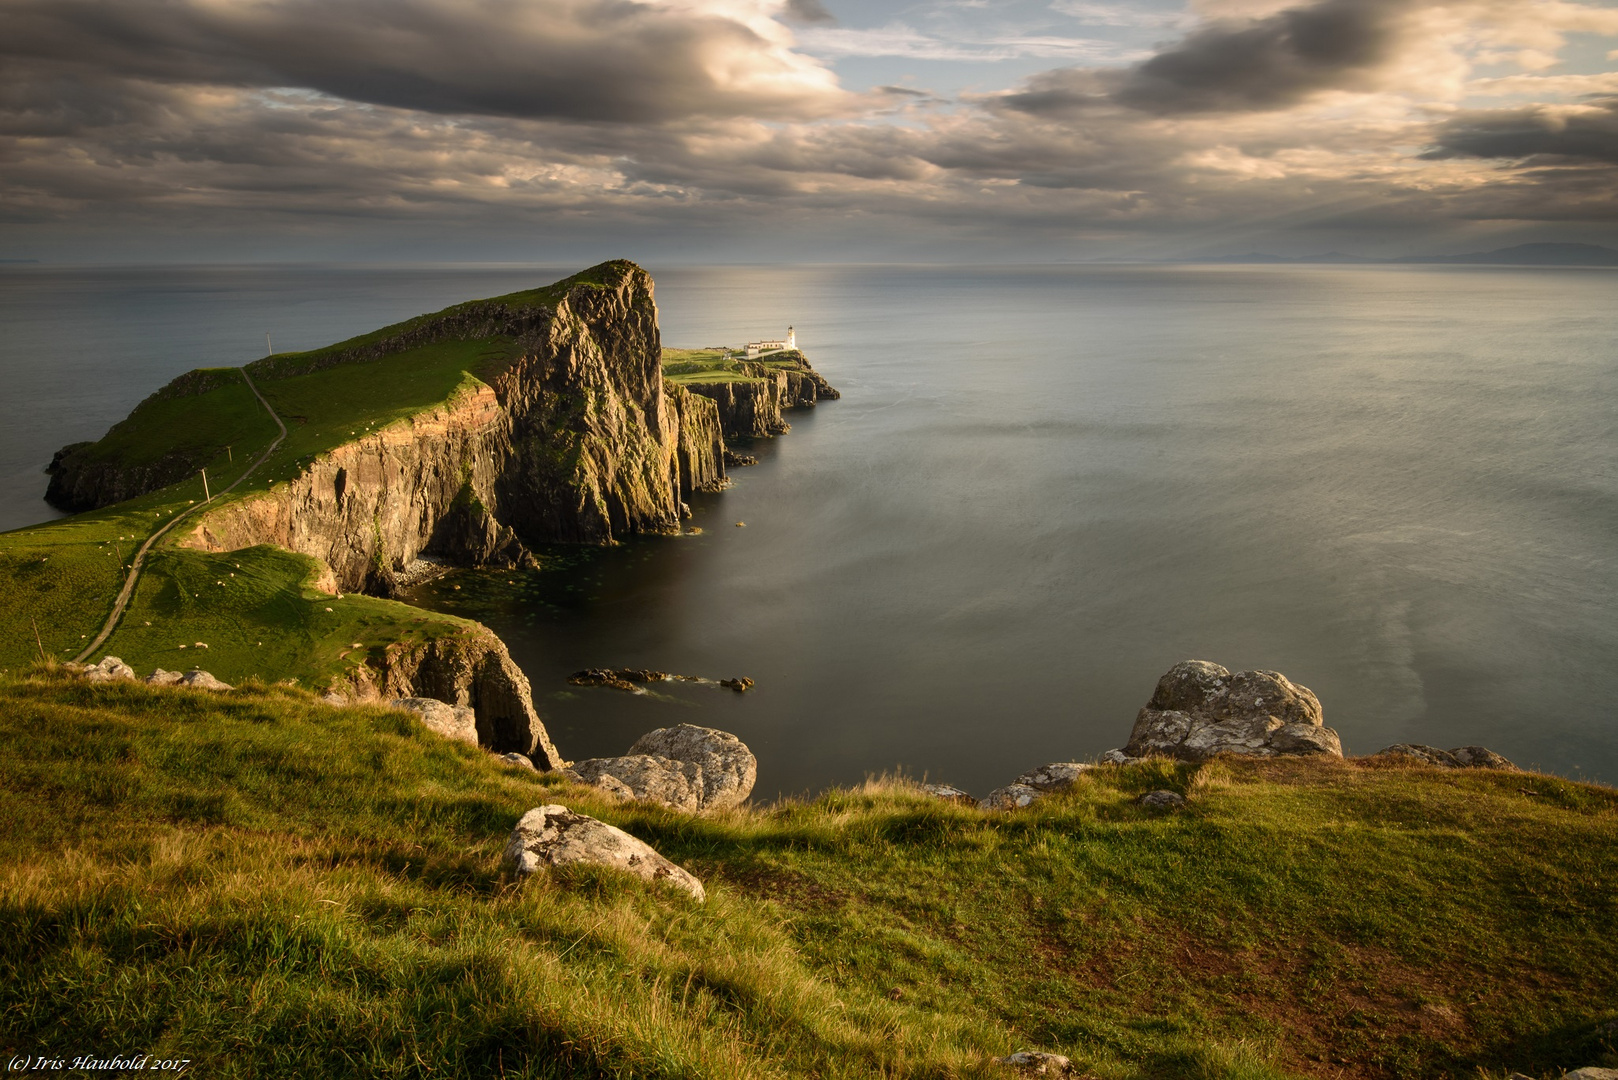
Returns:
(1042,487)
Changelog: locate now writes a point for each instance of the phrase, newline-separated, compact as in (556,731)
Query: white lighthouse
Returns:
(759,348)
(792,338)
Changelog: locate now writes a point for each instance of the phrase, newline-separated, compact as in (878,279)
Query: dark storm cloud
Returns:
(1587,133)
(1248,66)
(610,61)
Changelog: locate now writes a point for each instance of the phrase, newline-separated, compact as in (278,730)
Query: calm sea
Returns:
(1042,487)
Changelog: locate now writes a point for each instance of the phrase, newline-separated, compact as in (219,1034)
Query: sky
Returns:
(801,130)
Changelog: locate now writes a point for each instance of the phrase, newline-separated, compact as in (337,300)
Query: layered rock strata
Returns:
(751,407)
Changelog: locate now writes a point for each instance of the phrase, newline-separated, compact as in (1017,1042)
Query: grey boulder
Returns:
(949,793)
(675,784)
(1462,757)
(457,722)
(1010,797)
(685,767)
(553,835)
(518,761)
(196,679)
(729,768)
(1200,709)
(1162,800)
(1057,776)
(110,669)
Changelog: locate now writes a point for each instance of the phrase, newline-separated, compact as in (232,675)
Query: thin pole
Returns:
(38,643)
(267,346)
(229,456)
(205,496)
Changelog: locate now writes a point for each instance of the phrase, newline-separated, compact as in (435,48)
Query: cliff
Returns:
(750,406)
(572,437)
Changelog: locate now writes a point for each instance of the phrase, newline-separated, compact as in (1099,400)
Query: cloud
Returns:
(1571,133)
(808,13)
(613,61)
(900,40)
(1099,14)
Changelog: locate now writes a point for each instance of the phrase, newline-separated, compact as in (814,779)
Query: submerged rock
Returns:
(1462,757)
(553,835)
(1200,709)
(457,722)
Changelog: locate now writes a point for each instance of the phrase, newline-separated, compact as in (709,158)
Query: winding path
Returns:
(128,591)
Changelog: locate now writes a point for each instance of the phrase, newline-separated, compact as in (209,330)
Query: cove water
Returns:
(1042,487)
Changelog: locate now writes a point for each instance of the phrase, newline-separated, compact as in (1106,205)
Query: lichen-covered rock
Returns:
(1462,757)
(1037,1063)
(1161,800)
(553,835)
(202,680)
(160,677)
(518,761)
(1200,709)
(110,669)
(1057,776)
(1010,797)
(457,722)
(949,793)
(646,778)
(728,767)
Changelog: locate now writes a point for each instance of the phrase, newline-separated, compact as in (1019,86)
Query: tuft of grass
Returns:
(272,886)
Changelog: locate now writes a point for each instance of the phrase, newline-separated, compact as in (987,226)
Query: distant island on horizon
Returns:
(1543,254)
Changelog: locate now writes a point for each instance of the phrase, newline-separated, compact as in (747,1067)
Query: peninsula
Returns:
(308,486)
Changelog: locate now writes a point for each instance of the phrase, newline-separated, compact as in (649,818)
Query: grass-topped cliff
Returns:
(274,887)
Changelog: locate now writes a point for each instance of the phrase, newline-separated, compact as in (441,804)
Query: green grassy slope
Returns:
(274,887)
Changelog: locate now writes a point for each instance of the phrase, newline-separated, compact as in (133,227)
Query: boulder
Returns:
(1462,757)
(1116,757)
(556,836)
(202,680)
(163,678)
(1591,1072)
(675,784)
(457,722)
(1010,797)
(516,760)
(949,793)
(110,669)
(1037,1063)
(1057,776)
(729,768)
(1200,709)
(1161,800)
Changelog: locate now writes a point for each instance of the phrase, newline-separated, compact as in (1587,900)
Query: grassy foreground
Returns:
(273,887)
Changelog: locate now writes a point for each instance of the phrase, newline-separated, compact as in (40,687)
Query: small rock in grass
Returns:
(521,761)
(1057,776)
(1116,757)
(556,836)
(1010,797)
(1462,757)
(1590,1072)
(110,669)
(1037,1063)
(163,678)
(949,793)
(334,697)
(202,680)
(1161,800)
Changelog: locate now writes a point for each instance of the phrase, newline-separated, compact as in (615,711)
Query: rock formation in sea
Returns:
(1200,709)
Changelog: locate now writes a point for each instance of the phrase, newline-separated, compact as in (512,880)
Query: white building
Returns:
(758,348)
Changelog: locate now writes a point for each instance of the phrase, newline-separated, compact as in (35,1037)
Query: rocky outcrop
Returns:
(1200,709)
(684,767)
(553,835)
(700,449)
(470,669)
(1462,757)
(109,669)
(1010,797)
(748,408)
(1057,776)
(455,722)
(85,477)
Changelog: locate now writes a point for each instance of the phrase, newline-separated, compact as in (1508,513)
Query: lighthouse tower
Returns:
(792,338)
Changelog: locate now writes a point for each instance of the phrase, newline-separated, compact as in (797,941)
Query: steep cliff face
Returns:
(751,408)
(575,439)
